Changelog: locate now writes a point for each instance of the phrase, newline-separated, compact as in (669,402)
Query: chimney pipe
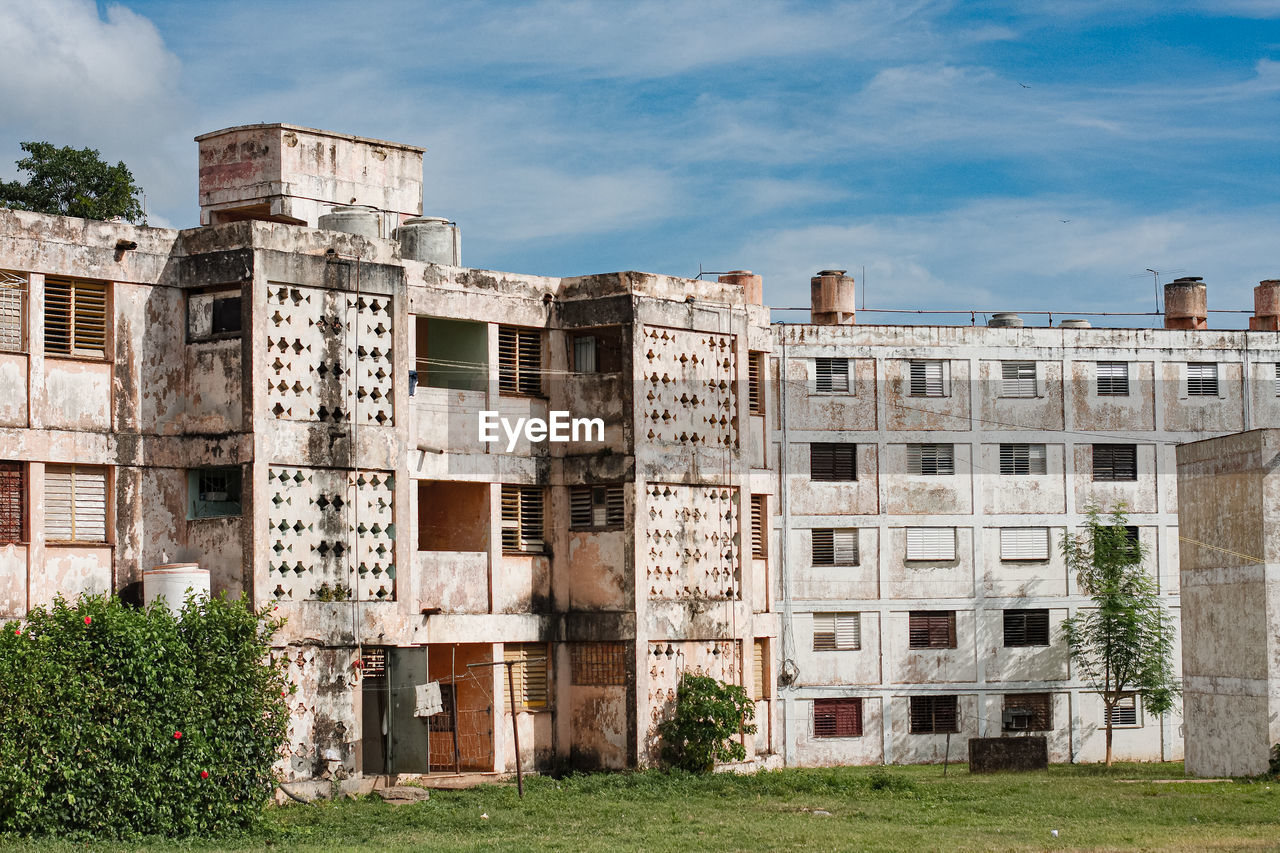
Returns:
(1186,304)
(752,284)
(1266,307)
(832,299)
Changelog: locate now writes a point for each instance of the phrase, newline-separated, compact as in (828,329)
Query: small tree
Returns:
(1123,645)
(709,715)
(72,182)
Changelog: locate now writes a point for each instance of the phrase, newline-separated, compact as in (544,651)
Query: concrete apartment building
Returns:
(858,523)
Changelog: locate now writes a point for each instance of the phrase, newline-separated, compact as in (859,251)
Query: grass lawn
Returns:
(870,809)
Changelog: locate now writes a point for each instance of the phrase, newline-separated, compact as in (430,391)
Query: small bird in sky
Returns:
(1064,220)
(1023,85)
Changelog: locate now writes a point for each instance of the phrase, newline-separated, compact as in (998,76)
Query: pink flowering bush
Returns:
(117,722)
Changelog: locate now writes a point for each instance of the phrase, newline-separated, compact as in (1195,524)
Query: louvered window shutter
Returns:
(1113,379)
(529,674)
(832,374)
(519,360)
(12,502)
(931,543)
(833,462)
(931,459)
(75,504)
(930,629)
(1024,543)
(1202,380)
(1018,379)
(837,717)
(1114,462)
(760,673)
(759,547)
(755,382)
(926,379)
(580,515)
(522,520)
(13,302)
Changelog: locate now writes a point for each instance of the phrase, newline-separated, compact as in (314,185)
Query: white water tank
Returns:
(430,239)
(173,581)
(353,220)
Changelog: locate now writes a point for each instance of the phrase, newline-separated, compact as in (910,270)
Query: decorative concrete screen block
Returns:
(690,387)
(332,534)
(994,754)
(667,661)
(329,356)
(692,540)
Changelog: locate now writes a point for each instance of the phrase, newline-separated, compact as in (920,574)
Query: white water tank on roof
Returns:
(430,239)
(173,582)
(363,221)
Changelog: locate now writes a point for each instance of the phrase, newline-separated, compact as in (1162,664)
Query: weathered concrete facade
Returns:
(1228,497)
(860,524)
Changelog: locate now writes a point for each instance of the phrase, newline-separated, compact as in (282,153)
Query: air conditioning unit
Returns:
(1017,719)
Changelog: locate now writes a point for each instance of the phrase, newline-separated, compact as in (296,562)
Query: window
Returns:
(931,629)
(1113,379)
(833,462)
(931,459)
(213,492)
(75,503)
(759,541)
(1026,628)
(932,715)
(1022,459)
(1028,712)
(837,632)
(1278,379)
(519,361)
(1115,462)
(755,382)
(926,379)
(837,717)
(226,315)
(1024,543)
(1125,713)
(598,664)
(13,491)
(1202,380)
(529,674)
(599,351)
(595,507)
(522,519)
(832,374)
(1017,379)
(13,304)
(931,543)
(835,547)
(75,317)
(760,680)
(1129,532)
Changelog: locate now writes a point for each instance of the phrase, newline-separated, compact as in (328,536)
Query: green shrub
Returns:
(709,715)
(120,722)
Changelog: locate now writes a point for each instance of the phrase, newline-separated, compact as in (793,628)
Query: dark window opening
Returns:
(226,315)
(833,462)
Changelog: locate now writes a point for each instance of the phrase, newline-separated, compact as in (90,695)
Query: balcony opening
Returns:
(452,354)
(453,516)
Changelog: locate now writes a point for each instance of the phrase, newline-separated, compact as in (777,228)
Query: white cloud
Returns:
(1011,254)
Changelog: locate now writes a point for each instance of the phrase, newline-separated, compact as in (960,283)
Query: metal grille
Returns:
(835,547)
(926,379)
(598,664)
(13,301)
(837,717)
(931,459)
(833,462)
(519,361)
(375,662)
(934,715)
(12,495)
(1115,462)
(1022,459)
(832,374)
(522,519)
(928,629)
(1017,379)
(1026,628)
(75,317)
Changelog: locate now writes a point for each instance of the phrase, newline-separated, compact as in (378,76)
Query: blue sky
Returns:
(939,145)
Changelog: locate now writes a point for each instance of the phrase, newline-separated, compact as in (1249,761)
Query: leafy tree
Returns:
(72,182)
(709,716)
(1123,645)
